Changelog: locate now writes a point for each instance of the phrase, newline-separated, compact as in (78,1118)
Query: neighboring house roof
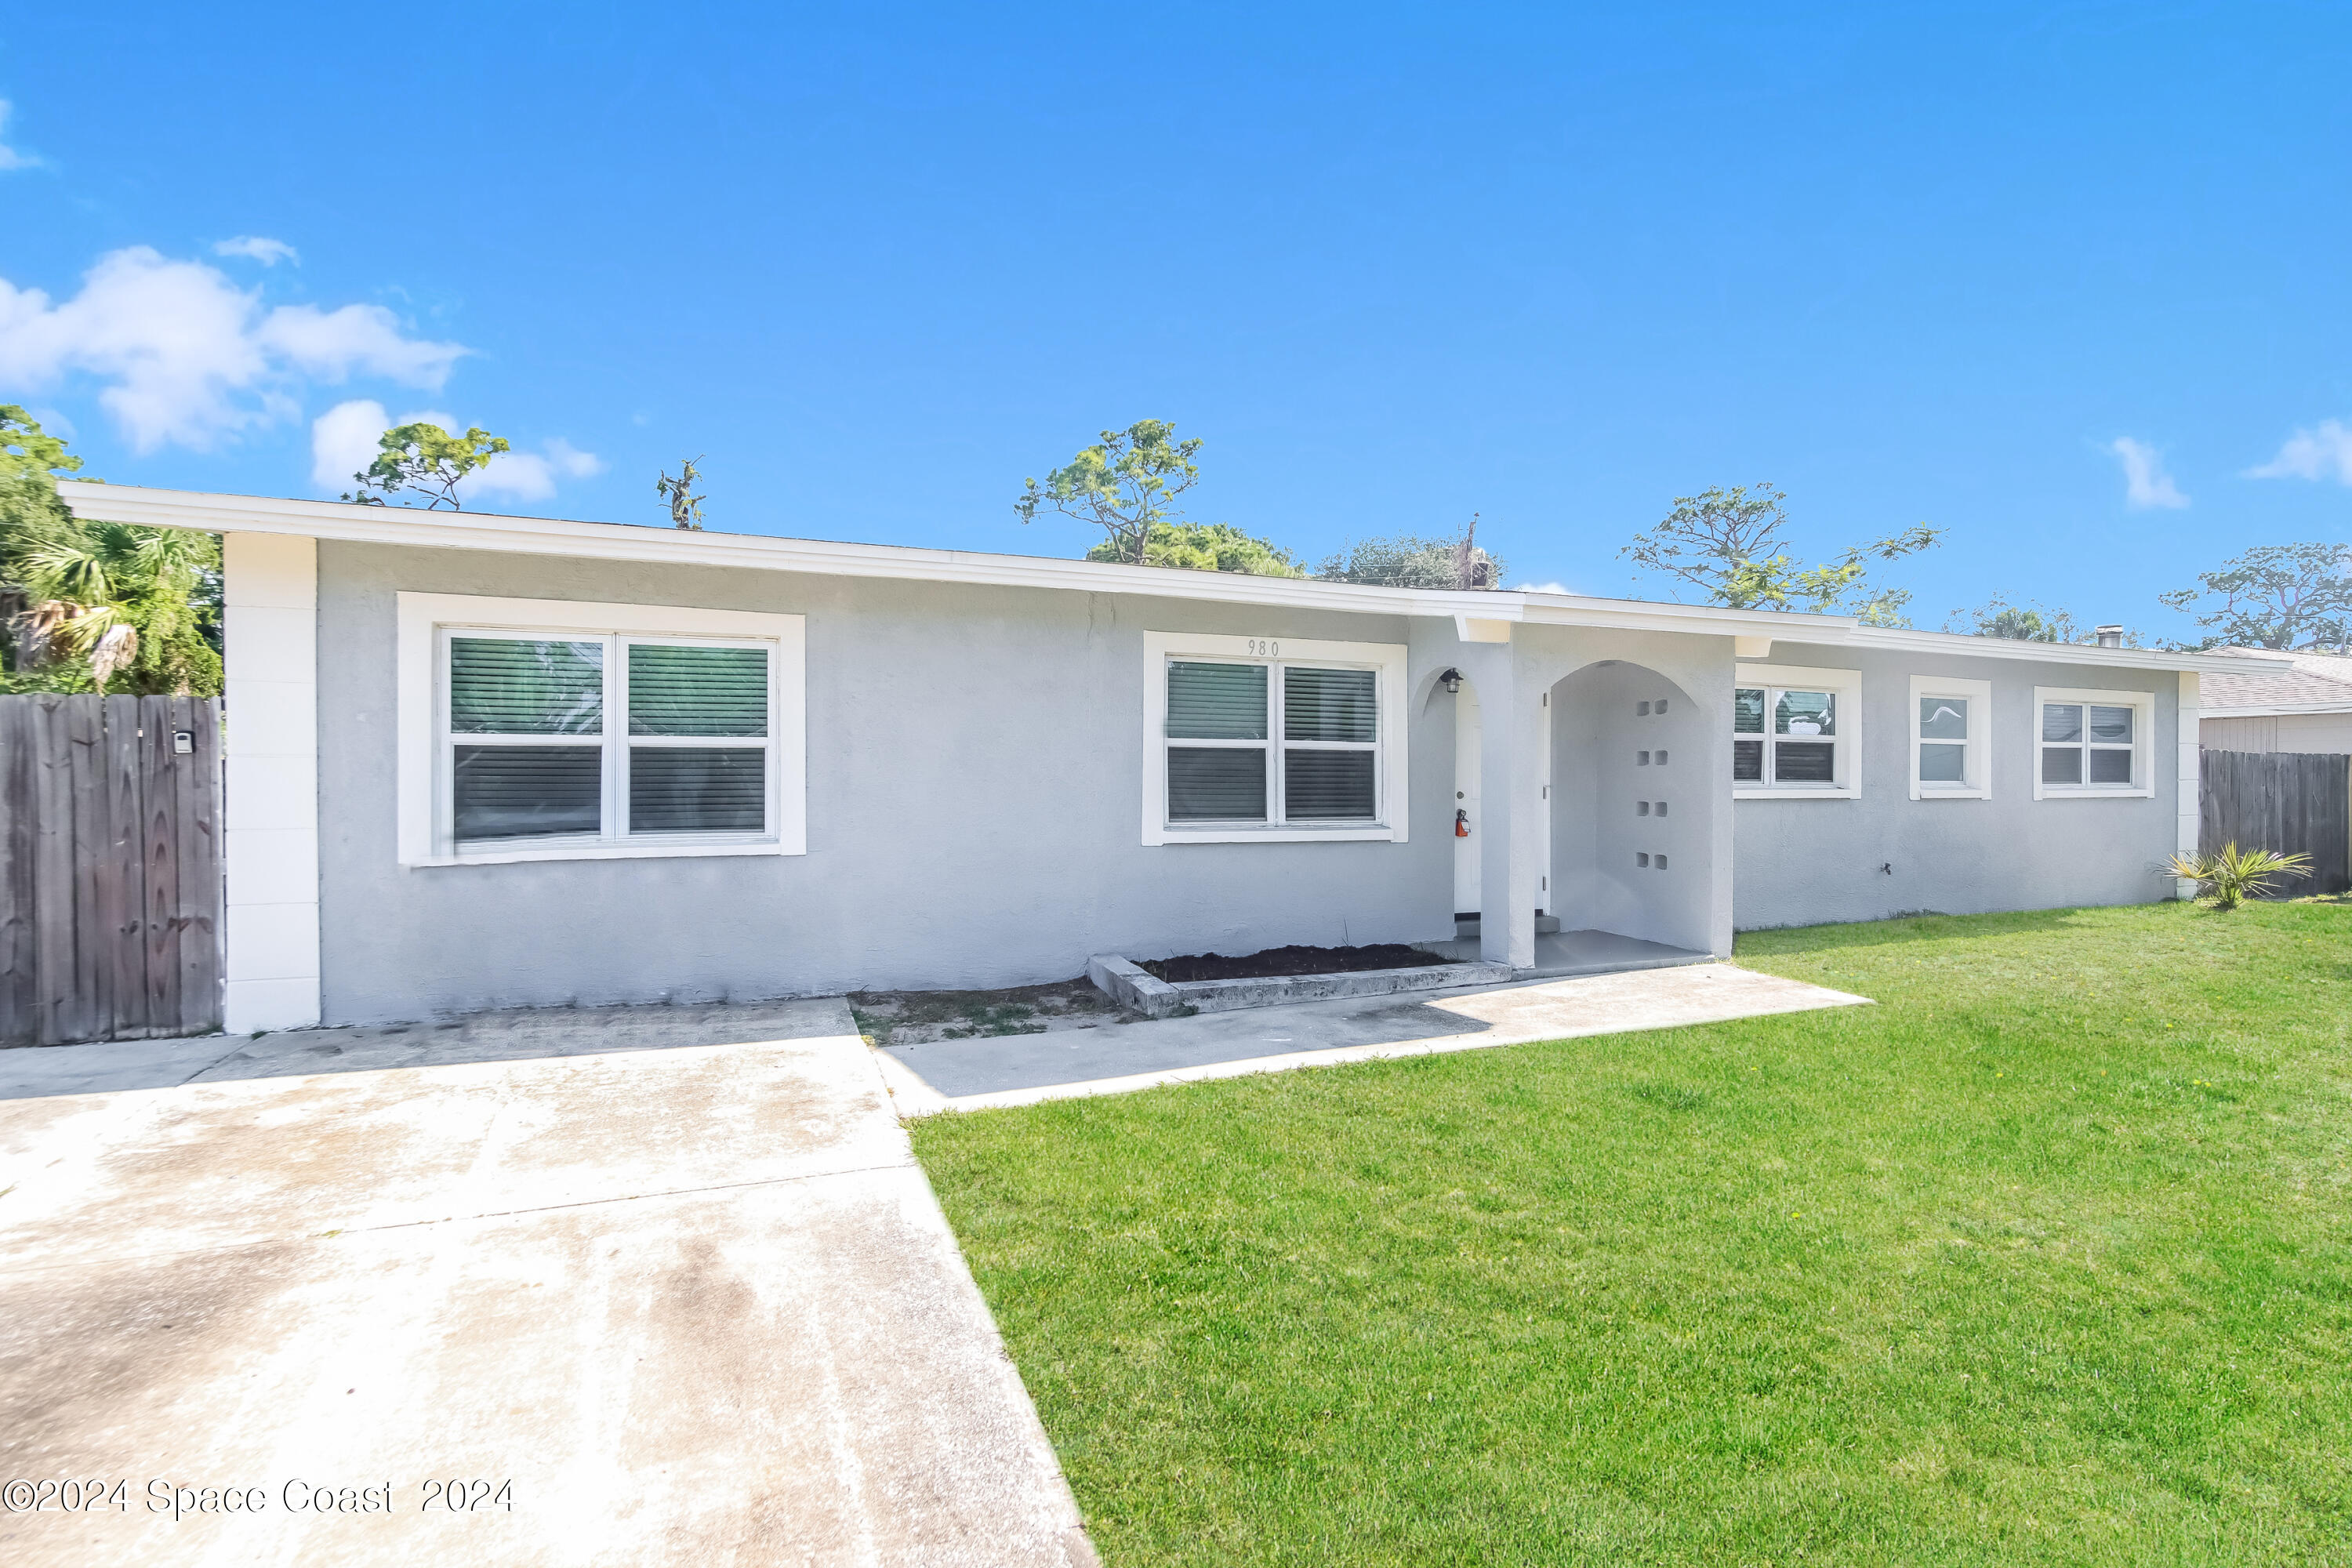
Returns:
(2316,683)
(1479,615)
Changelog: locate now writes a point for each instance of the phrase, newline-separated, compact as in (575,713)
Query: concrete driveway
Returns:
(633,1286)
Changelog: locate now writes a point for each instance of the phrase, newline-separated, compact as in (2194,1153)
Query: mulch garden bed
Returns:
(1282,961)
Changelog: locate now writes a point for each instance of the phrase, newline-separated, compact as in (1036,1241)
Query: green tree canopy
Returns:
(94,605)
(427,460)
(1411,560)
(1206,547)
(1732,546)
(1122,484)
(2282,597)
(2000,616)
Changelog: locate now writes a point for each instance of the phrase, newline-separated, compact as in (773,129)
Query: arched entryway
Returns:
(1632,848)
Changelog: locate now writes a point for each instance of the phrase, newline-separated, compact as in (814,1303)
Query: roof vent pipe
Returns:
(2109,636)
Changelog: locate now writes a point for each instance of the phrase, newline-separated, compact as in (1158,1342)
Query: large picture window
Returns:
(1793,731)
(562,740)
(2092,742)
(1259,739)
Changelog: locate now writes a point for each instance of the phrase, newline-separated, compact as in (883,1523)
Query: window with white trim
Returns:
(560,738)
(1951,739)
(1795,732)
(553,729)
(1264,738)
(2092,742)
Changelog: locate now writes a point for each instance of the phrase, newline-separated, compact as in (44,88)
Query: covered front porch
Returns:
(1589,807)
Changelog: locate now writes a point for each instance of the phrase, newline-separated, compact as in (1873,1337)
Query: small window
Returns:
(1662,808)
(1951,746)
(1641,710)
(1642,858)
(1660,862)
(1641,758)
(1801,746)
(1794,732)
(1661,759)
(1641,808)
(2090,745)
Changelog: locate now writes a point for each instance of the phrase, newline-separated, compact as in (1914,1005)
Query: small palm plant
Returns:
(2235,874)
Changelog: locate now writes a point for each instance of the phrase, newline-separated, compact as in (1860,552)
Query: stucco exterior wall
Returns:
(973,805)
(1808,862)
(975,790)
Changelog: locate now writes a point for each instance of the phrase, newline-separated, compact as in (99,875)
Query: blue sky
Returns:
(1553,264)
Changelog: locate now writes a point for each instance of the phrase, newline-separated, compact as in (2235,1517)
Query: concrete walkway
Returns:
(1119,1058)
(667,1281)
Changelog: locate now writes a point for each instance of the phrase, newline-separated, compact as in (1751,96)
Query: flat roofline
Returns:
(216,513)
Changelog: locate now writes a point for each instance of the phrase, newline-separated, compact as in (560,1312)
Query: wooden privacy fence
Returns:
(110,867)
(2290,802)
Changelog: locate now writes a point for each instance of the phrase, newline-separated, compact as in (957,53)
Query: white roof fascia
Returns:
(1965,646)
(1641,615)
(415,526)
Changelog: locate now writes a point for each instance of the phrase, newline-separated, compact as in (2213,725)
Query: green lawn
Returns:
(2042,1259)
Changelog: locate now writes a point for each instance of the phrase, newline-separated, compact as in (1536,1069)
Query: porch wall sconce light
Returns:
(1452,681)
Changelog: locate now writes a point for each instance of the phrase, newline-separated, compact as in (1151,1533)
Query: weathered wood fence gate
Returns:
(2290,802)
(110,867)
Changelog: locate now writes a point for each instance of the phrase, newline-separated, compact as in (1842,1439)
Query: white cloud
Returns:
(1544,588)
(531,476)
(2319,453)
(343,442)
(190,356)
(2146,484)
(254,247)
(11,157)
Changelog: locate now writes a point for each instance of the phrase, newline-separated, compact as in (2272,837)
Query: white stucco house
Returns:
(2306,708)
(480,760)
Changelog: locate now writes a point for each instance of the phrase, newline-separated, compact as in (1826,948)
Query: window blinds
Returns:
(527,792)
(1216,701)
(694,693)
(503,685)
(1329,705)
(1328,769)
(531,726)
(697,691)
(698,789)
(512,687)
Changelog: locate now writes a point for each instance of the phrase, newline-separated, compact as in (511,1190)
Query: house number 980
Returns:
(1262,650)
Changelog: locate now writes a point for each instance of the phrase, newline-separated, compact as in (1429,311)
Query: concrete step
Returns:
(1546,925)
(1136,987)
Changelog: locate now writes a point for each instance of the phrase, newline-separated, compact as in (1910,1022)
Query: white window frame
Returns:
(428,621)
(2143,703)
(1978,764)
(1391,802)
(1846,686)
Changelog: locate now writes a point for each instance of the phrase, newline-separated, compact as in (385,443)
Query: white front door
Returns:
(1466,756)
